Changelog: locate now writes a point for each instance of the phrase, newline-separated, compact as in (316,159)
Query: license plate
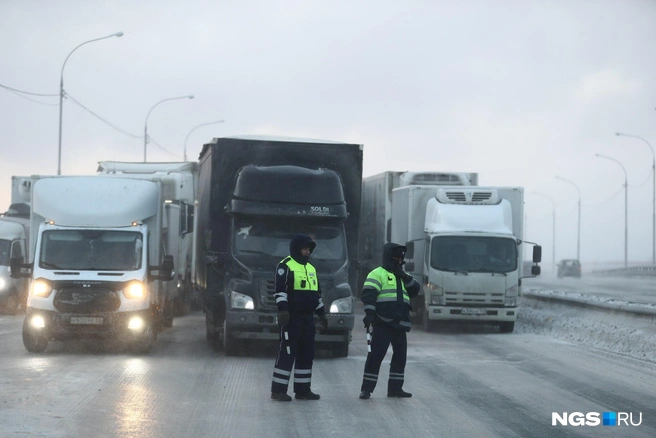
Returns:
(95,320)
(474,311)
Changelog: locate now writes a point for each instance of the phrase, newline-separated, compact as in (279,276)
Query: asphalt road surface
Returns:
(466,382)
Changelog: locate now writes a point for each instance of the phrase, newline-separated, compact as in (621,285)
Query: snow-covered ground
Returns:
(621,332)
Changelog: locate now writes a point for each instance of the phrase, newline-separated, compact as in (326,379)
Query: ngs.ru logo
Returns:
(595,419)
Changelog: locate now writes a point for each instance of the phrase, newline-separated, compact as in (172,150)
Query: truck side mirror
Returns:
(410,250)
(16,267)
(166,270)
(537,254)
(535,270)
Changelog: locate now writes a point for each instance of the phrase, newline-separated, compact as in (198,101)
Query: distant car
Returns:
(569,268)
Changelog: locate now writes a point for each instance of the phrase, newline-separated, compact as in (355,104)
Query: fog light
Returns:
(136,323)
(37,321)
(242,318)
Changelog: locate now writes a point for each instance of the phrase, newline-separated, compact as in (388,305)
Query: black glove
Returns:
(399,272)
(283,317)
(368,319)
(324,322)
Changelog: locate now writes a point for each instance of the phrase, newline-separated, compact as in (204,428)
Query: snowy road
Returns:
(466,383)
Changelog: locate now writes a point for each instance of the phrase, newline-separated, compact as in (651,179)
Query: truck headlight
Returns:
(435,295)
(3,283)
(342,305)
(241,301)
(134,289)
(41,288)
(511,296)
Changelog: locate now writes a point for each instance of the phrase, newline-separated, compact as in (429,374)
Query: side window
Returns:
(16,249)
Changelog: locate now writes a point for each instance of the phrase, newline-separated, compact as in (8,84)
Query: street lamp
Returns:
(184,156)
(653,198)
(61,92)
(553,234)
(626,209)
(578,238)
(190,96)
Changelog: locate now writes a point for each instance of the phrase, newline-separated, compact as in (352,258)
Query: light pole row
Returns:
(61,105)
(626,208)
(61,92)
(653,199)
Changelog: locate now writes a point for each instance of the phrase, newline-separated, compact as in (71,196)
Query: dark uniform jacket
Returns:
(297,286)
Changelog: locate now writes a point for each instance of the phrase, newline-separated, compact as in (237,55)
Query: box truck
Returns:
(95,261)
(465,245)
(179,184)
(254,194)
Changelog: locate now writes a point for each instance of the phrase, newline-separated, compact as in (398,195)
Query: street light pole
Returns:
(184,156)
(190,96)
(578,238)
(61,92)
(653,197)
(553,234)
(626,208)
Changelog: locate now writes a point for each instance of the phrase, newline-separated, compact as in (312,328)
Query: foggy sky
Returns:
(517,91)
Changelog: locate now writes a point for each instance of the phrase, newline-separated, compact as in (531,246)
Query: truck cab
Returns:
(14,234)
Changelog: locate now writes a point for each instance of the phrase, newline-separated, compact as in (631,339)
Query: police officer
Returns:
(386,296)
(298,297)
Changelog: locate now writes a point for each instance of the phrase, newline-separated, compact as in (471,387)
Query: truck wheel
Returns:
(147,342)
(33,342)
(12,303)
(507,326)
(167,317)
(341,349)
(230,346)
(429,326)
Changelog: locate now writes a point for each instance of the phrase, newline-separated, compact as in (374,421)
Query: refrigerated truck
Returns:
(465,245)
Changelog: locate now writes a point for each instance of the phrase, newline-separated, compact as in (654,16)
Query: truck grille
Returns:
(473,298)
(267,289)
(86,300)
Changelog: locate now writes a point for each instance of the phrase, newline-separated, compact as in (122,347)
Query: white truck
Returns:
(376,228)
(14,235)
(96,261)
(14,241)
(180,185)
(465,245)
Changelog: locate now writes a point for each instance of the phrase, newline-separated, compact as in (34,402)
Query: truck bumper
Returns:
(454,313)
(263,326)
(63,326)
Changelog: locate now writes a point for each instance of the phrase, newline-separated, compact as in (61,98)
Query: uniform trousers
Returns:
(300,330)
(382,336)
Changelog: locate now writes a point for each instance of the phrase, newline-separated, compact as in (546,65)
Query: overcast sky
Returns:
(517,91)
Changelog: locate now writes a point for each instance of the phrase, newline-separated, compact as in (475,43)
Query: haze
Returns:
(517,91)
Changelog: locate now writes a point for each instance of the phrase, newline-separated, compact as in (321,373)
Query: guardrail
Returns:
(649,270)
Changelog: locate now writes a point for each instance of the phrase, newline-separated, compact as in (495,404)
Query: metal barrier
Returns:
(649,271)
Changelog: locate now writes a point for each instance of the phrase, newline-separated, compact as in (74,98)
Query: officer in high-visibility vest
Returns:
(298,297)
(386,296)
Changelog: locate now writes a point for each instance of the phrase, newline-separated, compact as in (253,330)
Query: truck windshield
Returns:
(473,254)
(272,239)
(91,250)
(5,245)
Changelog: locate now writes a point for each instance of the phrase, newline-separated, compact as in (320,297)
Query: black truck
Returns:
(254,194)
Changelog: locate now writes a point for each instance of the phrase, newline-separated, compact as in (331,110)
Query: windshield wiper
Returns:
(457,271)
(251,251)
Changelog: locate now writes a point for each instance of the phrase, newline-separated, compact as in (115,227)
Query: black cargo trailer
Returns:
(255,194)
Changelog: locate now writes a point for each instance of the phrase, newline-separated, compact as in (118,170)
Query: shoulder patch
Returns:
(281,271)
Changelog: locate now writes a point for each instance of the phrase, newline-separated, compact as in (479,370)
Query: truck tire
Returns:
(230,345)
(147,342)
(341,349)
(167,317)
(507,326)
(429,326)
(33,342)
(12,303)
